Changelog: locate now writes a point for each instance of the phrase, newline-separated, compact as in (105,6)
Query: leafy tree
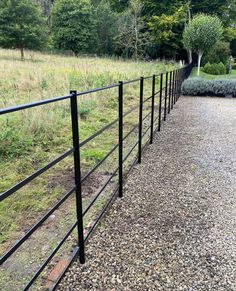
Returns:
(119,5)
(46,6)
(165,30)
(131,36)
(157,8)
(21,25)
(73,25)
(105,28)
(201,34)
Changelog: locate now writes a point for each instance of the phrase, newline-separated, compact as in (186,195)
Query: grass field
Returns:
(210,77)
(31,138)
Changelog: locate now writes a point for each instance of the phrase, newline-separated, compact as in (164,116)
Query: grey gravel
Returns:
(175,228)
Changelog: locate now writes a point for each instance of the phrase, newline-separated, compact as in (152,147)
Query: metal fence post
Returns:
(177,85)
(160,103)
(165,106)
(153,105)
(120,102)
(77,169)
(179,89)
(140,121)
(182,76)
(173,88)
(170,88)
(177,93)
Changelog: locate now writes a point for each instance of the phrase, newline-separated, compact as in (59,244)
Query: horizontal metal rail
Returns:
(100,131)
(131,81)
(52,100)
(99,163)
(131,131)
(156,93)
(100,191)
(145,100)
(148,77)
(19,185)
(146,116)
(56,249)
(131,150)
(73,256)
(106,127)
(97,89)
(33,104)
(131,167)
(131,110)
(35,227)
(145,132)
(101,214)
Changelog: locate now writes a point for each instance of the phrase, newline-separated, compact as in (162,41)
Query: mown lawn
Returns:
(210,77)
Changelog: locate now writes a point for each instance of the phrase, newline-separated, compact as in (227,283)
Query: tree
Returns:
(160,7)
(46,7)
(209,6)
(105,28)
(21,25)
(201,34)
(165,30)
(119,5)
(73,25)
(131,37)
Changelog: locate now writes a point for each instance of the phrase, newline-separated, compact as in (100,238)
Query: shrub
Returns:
(203,87)
(219,53)
(222,68)
(210,69)
(234,66)
(215,69)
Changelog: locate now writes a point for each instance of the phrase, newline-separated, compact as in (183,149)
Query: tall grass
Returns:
(31,138)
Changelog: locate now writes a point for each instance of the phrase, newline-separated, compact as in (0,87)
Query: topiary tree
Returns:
(201,34)
(73,25)
(21,25)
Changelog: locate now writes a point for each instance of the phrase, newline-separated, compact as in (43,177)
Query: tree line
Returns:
(129,28)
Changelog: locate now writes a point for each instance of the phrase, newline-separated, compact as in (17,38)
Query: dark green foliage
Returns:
(209,7)
(105,28)
(203,87)
(46,6)
(21,25)
(234,66)
(108,27)
(165,30)
(153,7)
(233,48)
(215,69)
(73,25)
(220,53)
(119,5)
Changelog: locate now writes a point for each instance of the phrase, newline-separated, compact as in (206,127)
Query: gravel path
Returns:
(175,228)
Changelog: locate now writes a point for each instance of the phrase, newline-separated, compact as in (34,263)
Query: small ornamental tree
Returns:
(201,34)
(21,25)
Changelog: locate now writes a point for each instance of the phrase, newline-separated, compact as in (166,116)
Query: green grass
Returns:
(210,77)
(31,138)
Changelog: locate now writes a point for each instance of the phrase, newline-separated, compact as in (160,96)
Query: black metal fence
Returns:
(167,95)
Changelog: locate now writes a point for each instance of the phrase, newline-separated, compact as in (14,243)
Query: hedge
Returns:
(203,87)
(215,69)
